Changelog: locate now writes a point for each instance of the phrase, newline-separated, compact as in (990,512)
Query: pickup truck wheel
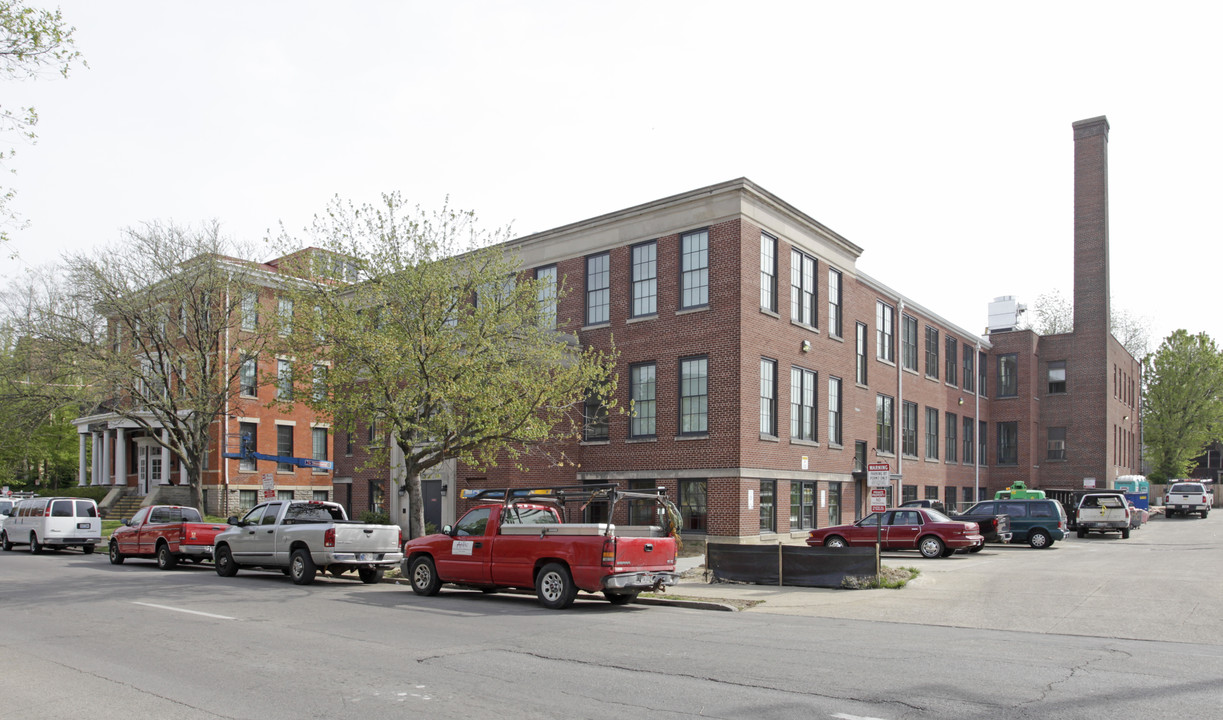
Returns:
(554,587)
(1125,534)
(301,567)
(1081,532)
(4,542)
(369,576)
(87,549)
(1205,513)
(1040,539)
(116,557)
(620,598)
(165,558)
(424,576)
(224,563)
(836,541)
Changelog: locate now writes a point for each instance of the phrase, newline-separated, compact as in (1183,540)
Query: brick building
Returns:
(766,370)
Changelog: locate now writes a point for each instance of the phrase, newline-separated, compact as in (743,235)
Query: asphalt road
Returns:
(82,638)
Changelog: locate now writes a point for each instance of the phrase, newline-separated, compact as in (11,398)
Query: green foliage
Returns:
(1182,403)
(443,340)
(891,578)
(375,518)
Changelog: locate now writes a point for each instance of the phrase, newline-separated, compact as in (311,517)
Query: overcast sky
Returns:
(936,136)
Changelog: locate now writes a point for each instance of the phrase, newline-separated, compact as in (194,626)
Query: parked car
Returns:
(1102,512)
(1038,522)
(168,533)
(302,537)
(926,530)
(1188,497)
(994,528)
(54,522)
(926,503)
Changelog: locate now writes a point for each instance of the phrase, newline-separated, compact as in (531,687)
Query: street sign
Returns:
(879,499)
(878,475)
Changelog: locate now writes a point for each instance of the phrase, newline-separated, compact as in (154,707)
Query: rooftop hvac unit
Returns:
(1004,313)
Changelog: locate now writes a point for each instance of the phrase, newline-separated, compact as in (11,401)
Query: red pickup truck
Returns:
(165,532)
(517,539)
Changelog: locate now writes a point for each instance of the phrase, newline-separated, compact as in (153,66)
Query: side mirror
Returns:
(233,520)
(127,522)
(447,530)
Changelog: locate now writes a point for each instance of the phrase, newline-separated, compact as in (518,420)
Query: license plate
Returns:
(365,557)
(82,526)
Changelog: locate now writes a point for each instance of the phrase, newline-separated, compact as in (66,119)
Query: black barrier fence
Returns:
(798,565)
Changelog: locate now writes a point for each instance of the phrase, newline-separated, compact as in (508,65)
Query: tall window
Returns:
(952,443)
(908,429)
(693,396)
(1057,443)
(248,378)
(1008,375)
(802,288)
(250,436)
(981,441)
(885,331)
(1057,376)
(931,352)
(598,292)
(768,396)
(970,373)
(595,415)
(250,310)
(953,358)
(834,503)
(643,388)
(284,315)
(284,446)
(981,374)
(861,353)
(968,441)
(834,302)
(1008,443)
(318,443)
(319,382)
(693,504)
(768,506)
(694,269)
(545,295)
(885,421)
(284,380)
(834,410)
(645,279)
(931,433)
(802,505)
(768,272)
(908,342)
(802,404)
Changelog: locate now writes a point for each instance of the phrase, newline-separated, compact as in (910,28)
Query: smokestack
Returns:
(1091,286)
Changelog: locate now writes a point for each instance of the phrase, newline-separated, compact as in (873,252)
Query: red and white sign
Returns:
(878,475)
(879,499)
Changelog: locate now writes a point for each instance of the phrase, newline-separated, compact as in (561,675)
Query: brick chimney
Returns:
(1091,286)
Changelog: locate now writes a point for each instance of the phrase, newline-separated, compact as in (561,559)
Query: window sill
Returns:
(690,310)
(885,361)
(837,338)
(769,438)
(805,326)
(596,326)
(632,440)
(932,460)
(770,313)
(695,436)
(834,446)
(248,397)
(932,378)
(586,443)
(640,318)
(804,442)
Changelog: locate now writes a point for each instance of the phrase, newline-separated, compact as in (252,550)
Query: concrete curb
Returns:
(672,602)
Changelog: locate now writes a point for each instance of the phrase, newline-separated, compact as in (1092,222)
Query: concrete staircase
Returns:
(125,507)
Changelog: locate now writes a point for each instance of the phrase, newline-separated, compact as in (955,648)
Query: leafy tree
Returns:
(1182,402)
(442,340)
(1054,315)
(150,328)
(32,43)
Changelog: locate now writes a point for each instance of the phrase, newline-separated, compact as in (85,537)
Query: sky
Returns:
(936,136)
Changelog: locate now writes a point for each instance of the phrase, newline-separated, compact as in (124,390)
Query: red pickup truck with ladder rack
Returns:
(517,539)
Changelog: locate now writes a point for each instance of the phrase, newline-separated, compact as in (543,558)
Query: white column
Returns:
(165,458)
(105,458)
(120,457)
(82,469)
(97,460)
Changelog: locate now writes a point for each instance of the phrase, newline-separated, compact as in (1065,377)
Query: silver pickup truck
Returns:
(302,537)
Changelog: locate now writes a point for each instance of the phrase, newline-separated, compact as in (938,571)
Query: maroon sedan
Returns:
(924,529)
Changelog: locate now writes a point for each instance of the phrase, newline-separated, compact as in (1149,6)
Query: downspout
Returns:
(976,466)
(900,399)
(224,504)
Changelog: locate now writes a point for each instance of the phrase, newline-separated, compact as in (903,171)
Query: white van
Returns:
(55,522)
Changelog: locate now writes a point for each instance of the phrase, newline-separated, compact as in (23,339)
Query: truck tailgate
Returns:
(645,553)
(366,538)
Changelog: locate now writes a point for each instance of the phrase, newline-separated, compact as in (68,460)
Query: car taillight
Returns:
(609,552)
(400,543)
(329,537)
(47,512)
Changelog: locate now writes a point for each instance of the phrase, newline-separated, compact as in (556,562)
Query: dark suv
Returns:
(1037,522)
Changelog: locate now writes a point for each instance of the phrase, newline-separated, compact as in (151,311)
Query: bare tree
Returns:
(1054,315)
(149,328)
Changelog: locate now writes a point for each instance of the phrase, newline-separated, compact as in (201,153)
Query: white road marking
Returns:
(843,716)
(181,610)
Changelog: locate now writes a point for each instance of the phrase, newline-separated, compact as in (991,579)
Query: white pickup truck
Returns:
(1103,512)
(301,537)
(1188,497)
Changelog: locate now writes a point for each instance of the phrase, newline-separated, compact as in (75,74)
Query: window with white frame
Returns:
(250,310)
(545,279)
(908,342)
(643,386)
(768,272)
(320,382)
(860,350)
(248,377)
(284,379)
(318,443)
(885,331)
(284,446)
(598,289)
(885,422)
(834,302)
(284,315)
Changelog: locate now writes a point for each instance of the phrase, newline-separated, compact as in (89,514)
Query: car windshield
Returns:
(936,516)
(1186,488)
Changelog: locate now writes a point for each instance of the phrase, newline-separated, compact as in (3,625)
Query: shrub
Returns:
(375,518)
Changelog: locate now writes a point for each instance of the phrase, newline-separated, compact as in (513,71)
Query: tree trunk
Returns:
(416,504)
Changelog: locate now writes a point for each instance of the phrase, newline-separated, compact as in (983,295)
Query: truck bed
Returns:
(542,529)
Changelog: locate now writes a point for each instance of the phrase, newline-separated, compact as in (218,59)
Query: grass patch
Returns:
(891,578)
